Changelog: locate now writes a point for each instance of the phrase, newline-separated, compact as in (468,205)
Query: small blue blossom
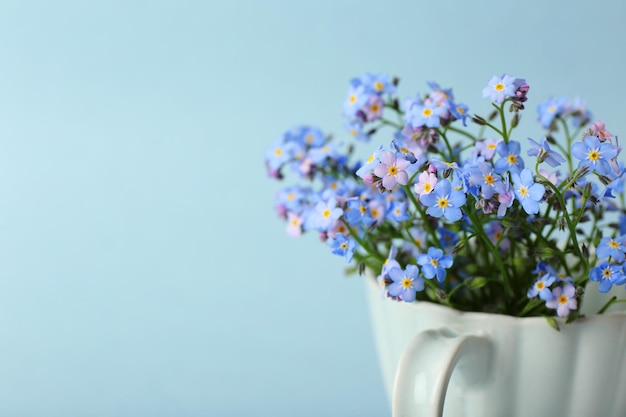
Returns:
(613,247)
(543,150)
(594,154)
(500,88)
(527,191)
(510,159)
(426,115)
(541,287)
(434,263)
(549,110)
(357,212)
(406,282)
(607,275)
(342,246)
(444,201)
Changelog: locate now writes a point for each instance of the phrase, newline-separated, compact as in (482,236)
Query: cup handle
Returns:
(426,365)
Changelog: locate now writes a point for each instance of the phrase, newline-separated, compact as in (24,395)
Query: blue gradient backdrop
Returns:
(142,269)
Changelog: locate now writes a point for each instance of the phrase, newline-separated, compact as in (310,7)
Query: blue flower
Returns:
(444,201)
(342,246)
(510,158)
(543,151)
(541,287)
(500,88)
(459,111)
(527,191)
(434,263)
(613,247)
(607,275)
(426,114)
(357,212)
(594,154)
(550,109)
(405,283)
(483,176)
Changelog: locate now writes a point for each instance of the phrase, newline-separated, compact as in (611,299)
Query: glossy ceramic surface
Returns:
(498,365)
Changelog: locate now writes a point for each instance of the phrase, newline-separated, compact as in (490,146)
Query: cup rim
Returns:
(479,315)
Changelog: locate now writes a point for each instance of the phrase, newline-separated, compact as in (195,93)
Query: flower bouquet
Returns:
(461,209)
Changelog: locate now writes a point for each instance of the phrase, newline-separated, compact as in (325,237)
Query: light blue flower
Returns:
(444,201)
(594,154)
(342,246)
(406,282)
(607,275)
(434,263)
(615,247)
(510,159)
(542,149)
(527,191)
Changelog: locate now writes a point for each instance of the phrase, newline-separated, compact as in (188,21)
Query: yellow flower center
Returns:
(594,155)
(563,299)
(344,245)
(278,151)
(498,87)
(552,109)
(434,262)
(523,190)
(352,99)
(309,138)
(427,187)
(460,110)
(443,202)
(407,283)
(378,86)
(541,285)
(613,244)
(489,179)
(374,107)
(606,273)
(427,112)
(392,170)
(512,159)
(362,209)
(491,146)
(326,213)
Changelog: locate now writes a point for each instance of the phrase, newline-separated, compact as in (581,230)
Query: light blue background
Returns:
(142,268)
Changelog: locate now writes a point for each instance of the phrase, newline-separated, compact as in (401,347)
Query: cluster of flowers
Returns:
(470,224)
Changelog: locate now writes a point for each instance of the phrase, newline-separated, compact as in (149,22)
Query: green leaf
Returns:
(553,323)
(476,283)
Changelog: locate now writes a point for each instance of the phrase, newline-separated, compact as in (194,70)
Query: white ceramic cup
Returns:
(438,362)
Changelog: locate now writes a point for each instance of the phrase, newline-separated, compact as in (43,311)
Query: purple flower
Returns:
(392,170)
(544,153)
(500,88)
(405,283)
(527,191)
(594,154)
(510,159)
(434,263)
(563,300)
(444,201)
